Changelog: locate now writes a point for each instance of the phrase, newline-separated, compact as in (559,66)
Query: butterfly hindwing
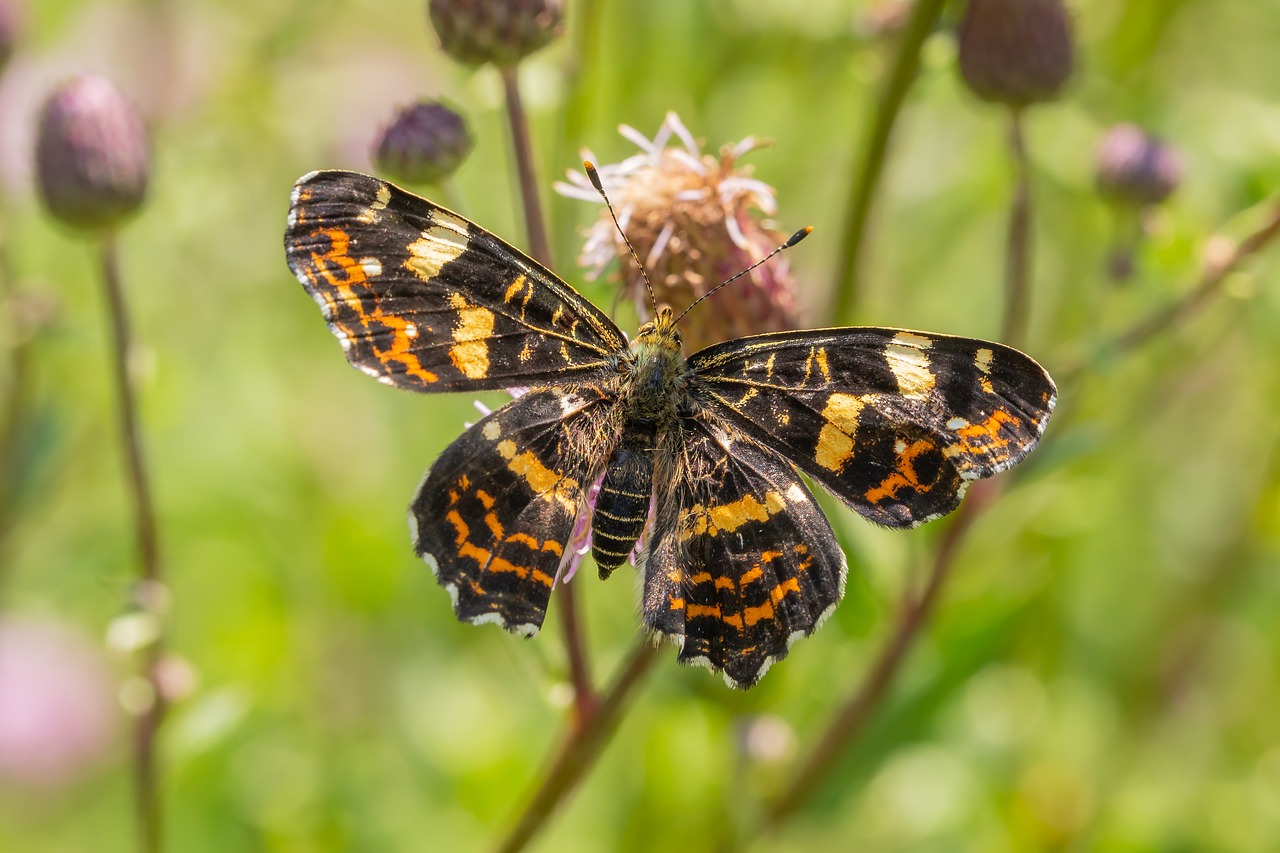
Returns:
(742,561)
(424,299)
(495,512)
(893,422)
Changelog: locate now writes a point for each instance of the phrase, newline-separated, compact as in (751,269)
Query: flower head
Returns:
(1016,52)
(423,144)
(93,159)
(692,218)
(503,32)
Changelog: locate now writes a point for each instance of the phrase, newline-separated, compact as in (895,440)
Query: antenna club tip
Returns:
(593,175)
(798,236)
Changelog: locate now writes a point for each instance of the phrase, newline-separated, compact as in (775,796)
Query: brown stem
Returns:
(869,159)
(147,776)
(1017,304)
(580,750)
(1224,260)
(538,245)
(1215,272)
(584,695)
(850,721)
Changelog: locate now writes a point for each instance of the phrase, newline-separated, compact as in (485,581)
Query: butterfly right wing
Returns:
(425,300)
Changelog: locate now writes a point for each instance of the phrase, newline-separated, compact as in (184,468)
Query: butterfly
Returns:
(705,451)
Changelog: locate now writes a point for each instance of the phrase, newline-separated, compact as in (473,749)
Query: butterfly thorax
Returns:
(653,385)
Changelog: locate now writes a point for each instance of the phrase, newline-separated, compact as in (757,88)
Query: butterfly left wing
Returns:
(742,561)
(494,514)
(895,423)
(423,299)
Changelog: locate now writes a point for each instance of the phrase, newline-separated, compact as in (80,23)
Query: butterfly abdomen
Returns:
(622,505)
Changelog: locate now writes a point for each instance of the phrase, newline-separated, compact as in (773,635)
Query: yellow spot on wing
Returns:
(540,478)
(443,241)
(835,440)
(728,517)
(371,213)
(474,327)
(907,359)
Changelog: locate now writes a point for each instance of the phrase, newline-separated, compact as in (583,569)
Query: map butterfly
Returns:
(739,561)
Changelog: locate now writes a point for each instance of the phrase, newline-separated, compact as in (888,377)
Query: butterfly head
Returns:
(661,331)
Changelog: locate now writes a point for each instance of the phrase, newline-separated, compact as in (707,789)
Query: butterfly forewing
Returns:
(424,299)
(892,422)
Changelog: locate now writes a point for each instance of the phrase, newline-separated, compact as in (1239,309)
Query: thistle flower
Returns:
(1016,52)
(93,159)
(692,220)
(503,32)
(424,144)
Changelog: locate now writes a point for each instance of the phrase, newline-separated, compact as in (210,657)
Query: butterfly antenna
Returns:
(595,182)
(791,241)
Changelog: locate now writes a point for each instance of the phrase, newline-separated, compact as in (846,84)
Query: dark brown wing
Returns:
(494,513)
(742,560)
(423,299)
(893,422)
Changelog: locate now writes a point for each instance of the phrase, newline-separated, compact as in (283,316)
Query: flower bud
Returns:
(499,31)
(423,144)
(1016,52)
(1136,168)
(92,155)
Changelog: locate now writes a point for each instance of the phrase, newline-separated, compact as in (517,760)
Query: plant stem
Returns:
(1221,262)
(580,750)
(147,776)
(584,696)
(1017,305)
(869,160)
(17,398)
(850,721)
(539,247)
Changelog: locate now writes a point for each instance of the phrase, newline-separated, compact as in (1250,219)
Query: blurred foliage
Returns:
(1103,670)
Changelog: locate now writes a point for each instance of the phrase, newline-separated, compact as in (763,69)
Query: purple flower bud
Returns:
(1016,52)
(93,159)
(503,32)
(423,144)
(1136,168)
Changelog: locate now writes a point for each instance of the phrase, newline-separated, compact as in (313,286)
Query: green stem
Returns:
(869,160)
(1216,270)
(851,720)
(580,750)
(146,770)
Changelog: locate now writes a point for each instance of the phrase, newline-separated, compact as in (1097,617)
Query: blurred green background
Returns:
(1103,671)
